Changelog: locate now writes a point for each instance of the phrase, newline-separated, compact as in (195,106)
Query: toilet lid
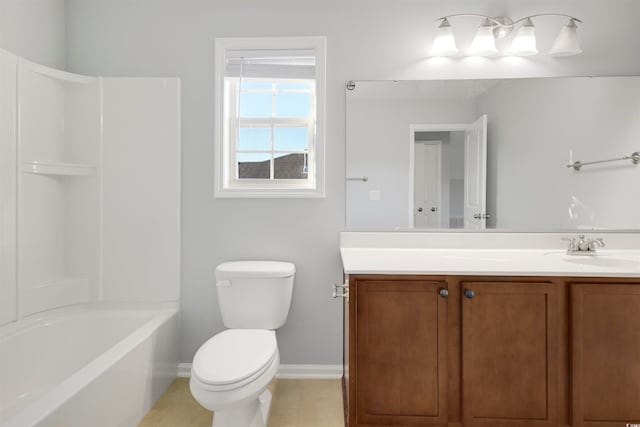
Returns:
(234,355)
(252,269)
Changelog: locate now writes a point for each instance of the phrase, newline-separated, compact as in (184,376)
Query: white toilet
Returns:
(231,371)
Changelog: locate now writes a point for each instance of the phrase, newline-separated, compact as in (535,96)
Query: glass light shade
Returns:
(567,42)
(445,43)
(524,43)
(484,44)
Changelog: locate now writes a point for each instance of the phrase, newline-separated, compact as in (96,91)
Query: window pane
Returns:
(291,139)
(248,85)
(255,105)
(254,165)
(294,86)
(254,139)
(290,166)
(293,104)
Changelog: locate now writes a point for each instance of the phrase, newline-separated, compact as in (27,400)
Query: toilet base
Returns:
(253,414)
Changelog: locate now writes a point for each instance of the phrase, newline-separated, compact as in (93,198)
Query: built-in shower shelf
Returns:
(60,169)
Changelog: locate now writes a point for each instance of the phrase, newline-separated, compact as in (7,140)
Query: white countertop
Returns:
(538,259)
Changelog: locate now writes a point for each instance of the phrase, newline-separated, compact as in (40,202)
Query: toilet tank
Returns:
(254,294)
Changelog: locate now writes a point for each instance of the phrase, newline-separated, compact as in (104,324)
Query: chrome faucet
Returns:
(582,245)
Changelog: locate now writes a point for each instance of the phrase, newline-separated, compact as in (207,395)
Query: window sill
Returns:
(247,193)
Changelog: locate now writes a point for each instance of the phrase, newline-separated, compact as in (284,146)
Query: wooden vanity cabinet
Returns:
(605,322)
(399,366)
(452,351)
(510,351)
(515,352)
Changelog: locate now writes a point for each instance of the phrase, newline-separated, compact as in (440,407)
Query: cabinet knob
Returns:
(469,293)
(444,293)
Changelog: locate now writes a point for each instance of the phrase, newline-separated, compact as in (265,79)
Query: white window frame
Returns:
(226,184)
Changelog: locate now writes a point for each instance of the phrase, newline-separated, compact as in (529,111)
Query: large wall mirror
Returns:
(494,154)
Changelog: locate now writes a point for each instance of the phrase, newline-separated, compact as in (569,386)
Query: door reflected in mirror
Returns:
(431,189)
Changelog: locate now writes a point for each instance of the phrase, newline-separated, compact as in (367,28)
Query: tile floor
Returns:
(296,403)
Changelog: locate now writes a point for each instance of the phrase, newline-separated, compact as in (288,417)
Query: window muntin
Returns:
(273,126)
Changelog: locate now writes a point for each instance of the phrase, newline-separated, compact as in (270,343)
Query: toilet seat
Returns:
(234,358)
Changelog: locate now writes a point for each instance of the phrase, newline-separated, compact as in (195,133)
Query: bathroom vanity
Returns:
(509,331)
(491,329)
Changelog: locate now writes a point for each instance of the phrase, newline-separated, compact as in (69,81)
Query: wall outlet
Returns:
(374,194)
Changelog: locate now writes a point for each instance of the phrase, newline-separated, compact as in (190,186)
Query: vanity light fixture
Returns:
(567,43)
(493,28)
(524,43)
(445,43)
(484,43)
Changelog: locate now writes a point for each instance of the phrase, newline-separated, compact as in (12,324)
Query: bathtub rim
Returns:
(8,330)
(37,411)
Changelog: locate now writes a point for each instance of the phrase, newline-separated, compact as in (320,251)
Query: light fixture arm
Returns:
(503,25)
(546,14)
(494,21)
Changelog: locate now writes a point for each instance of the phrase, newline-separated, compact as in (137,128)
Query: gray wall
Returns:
(34,29)
(367,39)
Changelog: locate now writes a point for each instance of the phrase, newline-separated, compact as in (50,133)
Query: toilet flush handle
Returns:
(224,284)
(341,291)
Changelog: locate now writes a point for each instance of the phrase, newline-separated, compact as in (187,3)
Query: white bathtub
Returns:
(86,366)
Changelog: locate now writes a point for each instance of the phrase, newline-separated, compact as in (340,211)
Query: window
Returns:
(270,117)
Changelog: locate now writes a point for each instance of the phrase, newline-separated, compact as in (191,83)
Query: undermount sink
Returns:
(605,260)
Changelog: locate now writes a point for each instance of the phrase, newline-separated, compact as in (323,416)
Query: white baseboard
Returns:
(184,370)
(303,372)
(298,372)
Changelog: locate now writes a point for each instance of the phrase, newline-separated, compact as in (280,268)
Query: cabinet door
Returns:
(509,354)
(401,373)
(606,354)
